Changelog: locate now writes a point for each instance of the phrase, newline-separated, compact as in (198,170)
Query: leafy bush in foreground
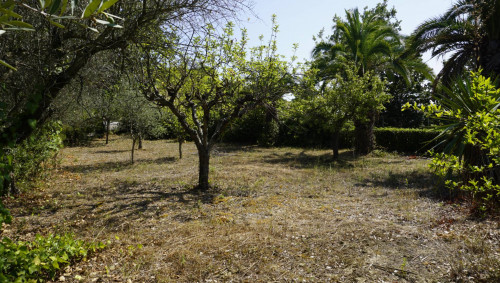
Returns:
(471,117)
(41,259)
(31,156)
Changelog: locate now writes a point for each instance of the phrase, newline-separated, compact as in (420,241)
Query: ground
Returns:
(274,215)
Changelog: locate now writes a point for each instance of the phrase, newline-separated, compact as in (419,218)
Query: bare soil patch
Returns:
(275,215)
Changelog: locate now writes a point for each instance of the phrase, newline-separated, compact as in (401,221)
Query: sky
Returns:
(300,20)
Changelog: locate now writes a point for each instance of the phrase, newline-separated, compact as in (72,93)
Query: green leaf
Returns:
(37,261)
(55,264)
(7,4)
(7,65)
(32,269)
(56,24)
(109,24)
(63,8)
(106,5)
(47,4)
(10,13)
(55,7)
(19,24)
(91,8)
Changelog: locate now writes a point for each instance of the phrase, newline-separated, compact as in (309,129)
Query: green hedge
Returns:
(405,140)
(292,133)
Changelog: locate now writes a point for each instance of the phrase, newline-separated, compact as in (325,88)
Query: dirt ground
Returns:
(274,215)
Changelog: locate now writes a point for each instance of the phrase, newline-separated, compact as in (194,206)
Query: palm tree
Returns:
(367,40)
(372,43)
(469,31)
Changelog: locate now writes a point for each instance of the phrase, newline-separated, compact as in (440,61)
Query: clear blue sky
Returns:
(299,20)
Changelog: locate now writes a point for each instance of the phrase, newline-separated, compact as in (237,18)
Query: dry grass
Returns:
(277,215)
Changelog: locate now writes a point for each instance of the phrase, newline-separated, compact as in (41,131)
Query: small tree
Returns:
(331,103)
(212,82)
(138,116)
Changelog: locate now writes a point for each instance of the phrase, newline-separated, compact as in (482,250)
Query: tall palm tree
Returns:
(372,43)
(365,39)
(469,32)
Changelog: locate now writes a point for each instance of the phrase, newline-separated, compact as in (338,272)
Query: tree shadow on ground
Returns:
(135,201)
(114,166)
(111,151)
(227,149)
(305,160)
(425,182)
(121,203)
(99,167)
(160,160)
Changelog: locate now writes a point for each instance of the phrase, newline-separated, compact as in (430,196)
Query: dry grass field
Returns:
(274,215)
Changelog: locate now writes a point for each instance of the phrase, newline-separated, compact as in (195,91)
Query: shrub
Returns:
(470,111)
(83,133)
(405,140)
(41,259)
(247,129)
(32,155)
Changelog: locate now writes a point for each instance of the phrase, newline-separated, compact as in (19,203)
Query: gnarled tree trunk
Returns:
(140,142)
(181,141)
(204,168)
(364,140)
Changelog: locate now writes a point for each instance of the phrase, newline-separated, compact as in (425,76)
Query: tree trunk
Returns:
(133,149)
(181,141)
(204,167)
(364,140)
(108,124)
(335,144)
(270,130)
(140,142)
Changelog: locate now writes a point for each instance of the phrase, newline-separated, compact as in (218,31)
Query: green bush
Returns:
(247,129)
(33,154)
(470,114)
(41,259)
(82,134)
(405,140)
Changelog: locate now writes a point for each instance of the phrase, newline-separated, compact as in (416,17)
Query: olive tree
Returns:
(211,82)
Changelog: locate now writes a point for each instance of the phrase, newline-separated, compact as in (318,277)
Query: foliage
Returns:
(334,102)
(369,40)
(247,129)
(469,32)
(419,90)
(30,157)
(51,58)
(55,13)
(405,140)
(41,259)
(5,216)
(471,116)
(211,82)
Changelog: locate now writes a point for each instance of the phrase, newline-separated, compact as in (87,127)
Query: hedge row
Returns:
(391,139)
(405,140)
(402,140)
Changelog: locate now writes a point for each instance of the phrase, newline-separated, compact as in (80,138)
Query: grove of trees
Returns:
(176,69)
